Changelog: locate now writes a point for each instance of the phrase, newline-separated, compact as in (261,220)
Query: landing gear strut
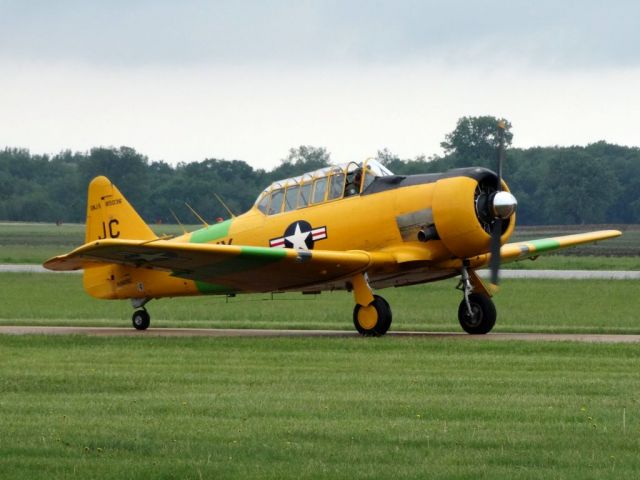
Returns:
(476,313)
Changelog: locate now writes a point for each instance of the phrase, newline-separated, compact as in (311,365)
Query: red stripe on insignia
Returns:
(319,233)
(278,242)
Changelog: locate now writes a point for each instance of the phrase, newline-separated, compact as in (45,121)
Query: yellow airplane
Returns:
(347,227)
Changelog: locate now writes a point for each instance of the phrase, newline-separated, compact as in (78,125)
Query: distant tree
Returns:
(563,185)
(624,163)
(420,164)
(577,190)
(474,141)
(390,160)
(125,167)
(303,159)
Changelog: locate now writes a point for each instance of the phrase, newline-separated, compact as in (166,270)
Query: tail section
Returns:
(110,215)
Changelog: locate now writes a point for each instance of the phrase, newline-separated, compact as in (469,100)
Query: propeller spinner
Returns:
(503,205)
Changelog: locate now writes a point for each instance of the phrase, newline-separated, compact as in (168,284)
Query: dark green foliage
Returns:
(599,183)
(474,141)
(303,159)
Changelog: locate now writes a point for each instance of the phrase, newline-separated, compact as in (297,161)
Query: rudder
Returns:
(110,215)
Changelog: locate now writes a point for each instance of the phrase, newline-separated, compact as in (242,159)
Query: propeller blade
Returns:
(494,263)
(501,127)
(496,229)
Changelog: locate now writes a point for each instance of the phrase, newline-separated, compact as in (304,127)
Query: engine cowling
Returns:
(465,208)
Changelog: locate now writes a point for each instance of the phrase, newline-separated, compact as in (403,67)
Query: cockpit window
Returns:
(373,169)
(378,169)
(329,183)
(319,187)
(291,198)
(276,202)
(337,185)
(264,203)
(305,194)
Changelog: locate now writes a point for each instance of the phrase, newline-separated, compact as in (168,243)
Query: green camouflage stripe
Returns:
(211,233)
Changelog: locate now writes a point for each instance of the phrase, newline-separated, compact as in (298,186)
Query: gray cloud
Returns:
(544,33)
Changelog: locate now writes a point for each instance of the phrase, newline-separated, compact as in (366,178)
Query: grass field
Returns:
(81,407)
(192,408)
(36,242)
(523,305)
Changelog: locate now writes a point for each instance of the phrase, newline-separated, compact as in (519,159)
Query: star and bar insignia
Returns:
(299,235)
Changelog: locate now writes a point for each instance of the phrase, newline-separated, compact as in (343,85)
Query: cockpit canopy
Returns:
(323,185)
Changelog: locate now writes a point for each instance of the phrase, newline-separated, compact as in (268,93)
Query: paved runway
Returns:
(227,332)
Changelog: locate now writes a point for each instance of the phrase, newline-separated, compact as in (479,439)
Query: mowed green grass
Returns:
(86,407)
(595,306)
(36,242)
(144,407)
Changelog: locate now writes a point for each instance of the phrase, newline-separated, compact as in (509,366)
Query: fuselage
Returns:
(425,220)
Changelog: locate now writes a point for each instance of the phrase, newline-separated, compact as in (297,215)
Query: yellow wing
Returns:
(532,248)
(243,268)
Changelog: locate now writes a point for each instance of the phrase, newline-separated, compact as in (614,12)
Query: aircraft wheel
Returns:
(141,319)
(483,316)
(373,320)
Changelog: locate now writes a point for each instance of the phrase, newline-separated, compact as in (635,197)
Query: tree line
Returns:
(597,183)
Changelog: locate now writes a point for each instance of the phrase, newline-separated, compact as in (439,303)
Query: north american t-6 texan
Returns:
(354,227)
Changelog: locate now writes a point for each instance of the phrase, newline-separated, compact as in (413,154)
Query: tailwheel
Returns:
(479,316)
(141,319)
(373,320)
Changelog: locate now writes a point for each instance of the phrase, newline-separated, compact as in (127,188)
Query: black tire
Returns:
(484,314)
(141,320)
(377,326)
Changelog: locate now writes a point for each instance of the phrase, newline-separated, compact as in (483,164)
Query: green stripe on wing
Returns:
(250,258)
(544,244)
(213,289)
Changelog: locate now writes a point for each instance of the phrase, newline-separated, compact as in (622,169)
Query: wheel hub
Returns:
(367,317)
(475,317)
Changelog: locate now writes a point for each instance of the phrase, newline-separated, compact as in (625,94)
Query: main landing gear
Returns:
(476,313)
(374,319)
(140,318)
(372,314)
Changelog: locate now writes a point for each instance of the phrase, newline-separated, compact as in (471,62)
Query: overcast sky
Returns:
(188,80)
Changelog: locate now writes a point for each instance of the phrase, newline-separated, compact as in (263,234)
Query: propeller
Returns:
(503,205)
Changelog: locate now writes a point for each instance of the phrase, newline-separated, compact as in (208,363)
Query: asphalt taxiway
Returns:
(229,332)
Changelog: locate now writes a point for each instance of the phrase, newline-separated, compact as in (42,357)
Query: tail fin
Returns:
(110,215)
